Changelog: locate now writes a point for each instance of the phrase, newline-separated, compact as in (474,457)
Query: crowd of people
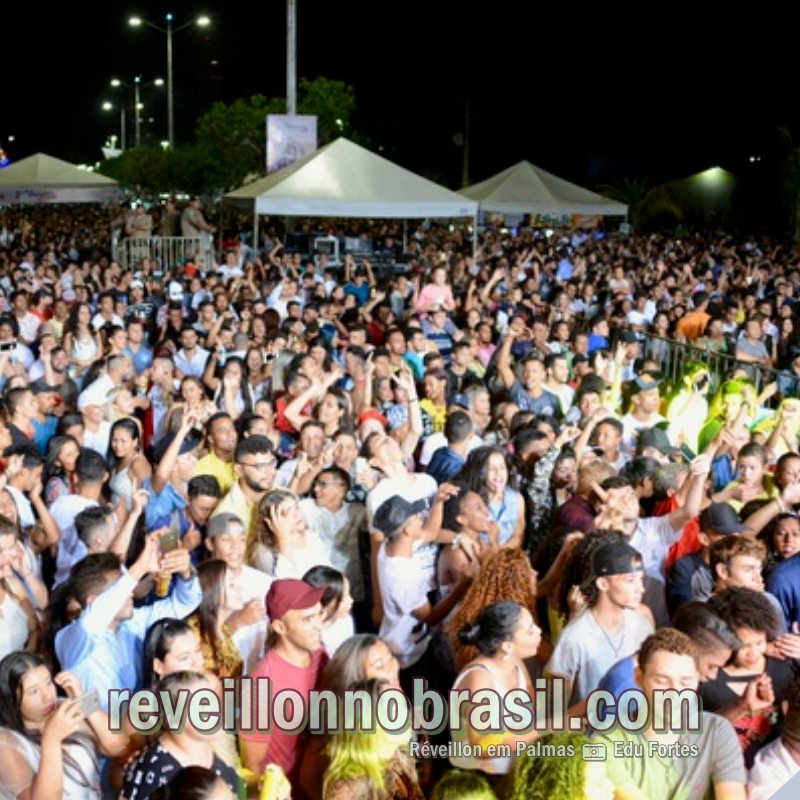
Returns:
(473,471)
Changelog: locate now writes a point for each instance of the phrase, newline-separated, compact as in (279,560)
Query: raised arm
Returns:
(504,361)
(164,470)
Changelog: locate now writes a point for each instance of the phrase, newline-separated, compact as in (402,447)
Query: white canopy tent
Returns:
(528,189)
(41,179)
(344,179)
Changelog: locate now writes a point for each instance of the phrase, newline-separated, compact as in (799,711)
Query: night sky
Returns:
(584,94)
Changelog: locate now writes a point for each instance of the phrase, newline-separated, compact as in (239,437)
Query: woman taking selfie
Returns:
(50,746)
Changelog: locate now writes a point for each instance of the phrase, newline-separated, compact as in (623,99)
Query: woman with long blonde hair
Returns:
(370,764)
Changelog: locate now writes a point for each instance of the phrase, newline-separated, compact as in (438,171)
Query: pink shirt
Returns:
(432,295)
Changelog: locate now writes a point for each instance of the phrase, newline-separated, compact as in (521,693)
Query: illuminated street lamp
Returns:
(202,22)
(137,104)
(108,106)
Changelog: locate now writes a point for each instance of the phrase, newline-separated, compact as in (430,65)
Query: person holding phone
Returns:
(103,646)
(51,744)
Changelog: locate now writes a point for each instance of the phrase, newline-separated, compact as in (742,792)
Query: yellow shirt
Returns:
(212,464)
(234,502)
(437,414)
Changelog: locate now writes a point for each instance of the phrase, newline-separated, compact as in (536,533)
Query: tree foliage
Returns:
(230,142)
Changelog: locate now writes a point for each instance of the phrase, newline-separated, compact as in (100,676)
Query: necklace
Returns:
(615,647)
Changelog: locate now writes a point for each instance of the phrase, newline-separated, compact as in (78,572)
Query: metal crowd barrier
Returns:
(168,251)
(673,356)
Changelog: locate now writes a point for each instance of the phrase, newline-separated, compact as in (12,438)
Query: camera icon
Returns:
(594,752)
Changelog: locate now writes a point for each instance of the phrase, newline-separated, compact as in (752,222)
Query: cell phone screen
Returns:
(90,703)
(169,542)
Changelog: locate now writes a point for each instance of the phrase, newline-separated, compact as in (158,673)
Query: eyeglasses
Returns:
(323,484)
(260,466)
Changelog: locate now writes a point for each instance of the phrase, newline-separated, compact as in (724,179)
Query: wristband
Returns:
(456,540)
(781,505)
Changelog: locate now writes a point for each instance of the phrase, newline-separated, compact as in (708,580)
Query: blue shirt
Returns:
(106,659)
(43,432)
(161,505)
(444,464)
(619,679)
(361,292)
(597,342)
(564,272)
(142,358)
(784,583)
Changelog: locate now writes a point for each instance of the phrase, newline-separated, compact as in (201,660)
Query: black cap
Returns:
(654,437)
(42,387)
(192,440)
(721,518)
(393,513)
(580,359)
(458,399)
(628,337)
(646,382)
(616,558)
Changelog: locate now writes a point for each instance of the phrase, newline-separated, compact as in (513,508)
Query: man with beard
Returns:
(254,465)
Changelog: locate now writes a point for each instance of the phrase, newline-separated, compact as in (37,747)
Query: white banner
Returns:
(50,196)
(289,138)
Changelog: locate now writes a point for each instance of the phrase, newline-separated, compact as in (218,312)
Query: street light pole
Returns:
(168,31)
(291,57)
(137,104)
(170,96)
(107,106)
(137,120)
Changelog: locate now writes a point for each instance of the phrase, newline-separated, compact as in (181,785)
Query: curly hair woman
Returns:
(505,575)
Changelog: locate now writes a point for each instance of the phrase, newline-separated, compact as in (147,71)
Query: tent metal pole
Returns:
(405,236)
(475,235)
(255,234)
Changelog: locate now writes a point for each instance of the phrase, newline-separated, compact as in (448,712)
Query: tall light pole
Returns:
(107,106)
(168,31)
(291,57)
(137,103)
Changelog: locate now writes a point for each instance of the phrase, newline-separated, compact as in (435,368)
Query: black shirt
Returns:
(754,730)
(156,767)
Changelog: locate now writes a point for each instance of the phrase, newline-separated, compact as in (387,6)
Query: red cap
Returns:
(289,594)
(372,413)
(190,270)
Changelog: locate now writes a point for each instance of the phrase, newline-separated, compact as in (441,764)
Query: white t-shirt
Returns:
(336,634)
(411,487)
(652,538)
(253,585)
(24,507)
(773,768)
(404,588)
(70,549)
(98,320)
(631,427)
(98,440)
(303,559)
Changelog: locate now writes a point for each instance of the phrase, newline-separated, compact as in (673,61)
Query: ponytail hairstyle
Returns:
(494,626)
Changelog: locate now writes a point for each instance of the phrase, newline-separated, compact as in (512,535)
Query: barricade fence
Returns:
(674,356)
(167,251)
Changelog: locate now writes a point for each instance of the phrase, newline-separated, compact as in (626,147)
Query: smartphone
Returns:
(169,541)
(6,346)
(687,452)
(90,703)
